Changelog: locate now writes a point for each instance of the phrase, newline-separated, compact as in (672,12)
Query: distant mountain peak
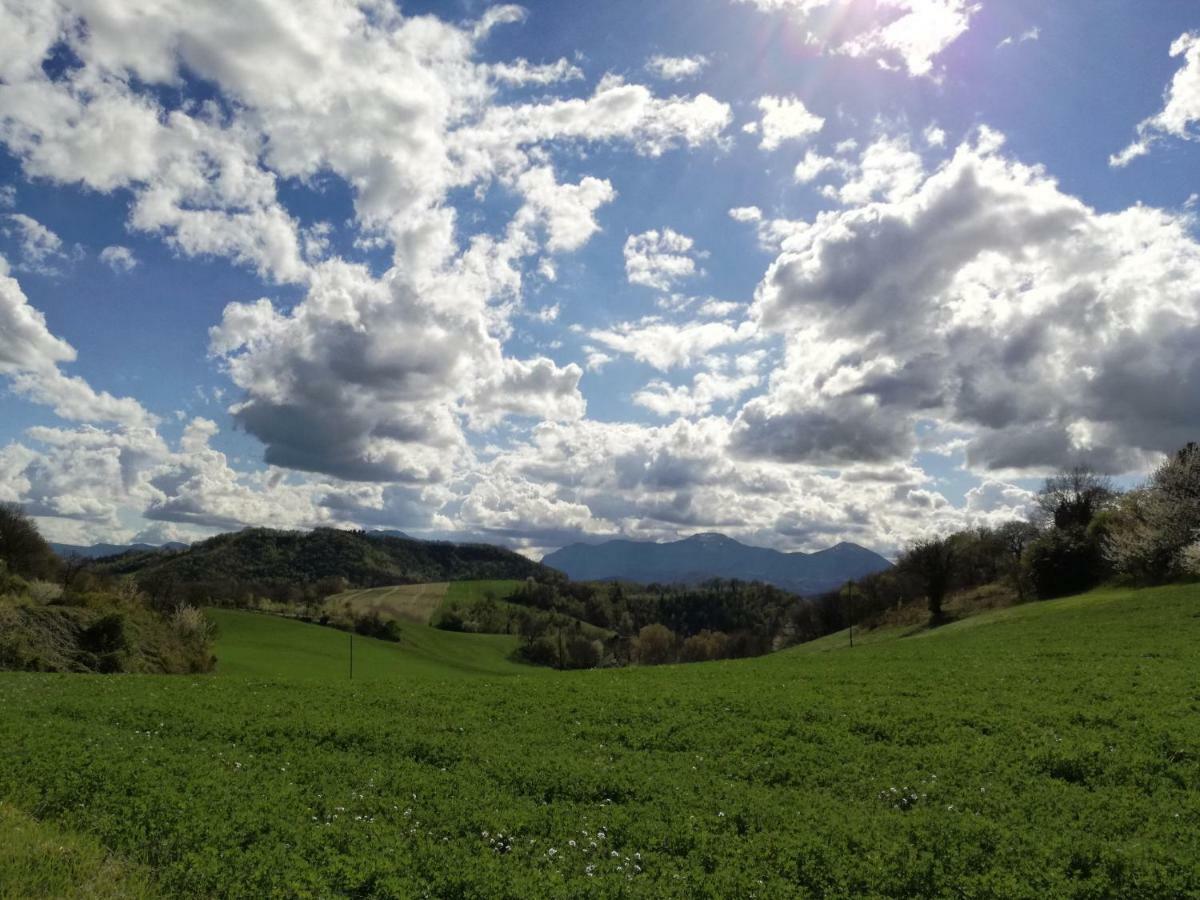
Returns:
(713,537)
(713,555)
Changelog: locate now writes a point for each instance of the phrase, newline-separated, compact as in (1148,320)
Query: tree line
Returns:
(1084,532)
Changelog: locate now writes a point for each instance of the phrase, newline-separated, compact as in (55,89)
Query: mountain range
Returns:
(705,556)
(98,551)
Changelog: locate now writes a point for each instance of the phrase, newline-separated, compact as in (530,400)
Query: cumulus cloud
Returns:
(785,119)
(697,399)
(395,106)
(119,259)
(906,34)
(659,259)
(962,300)
(746,214)
(665,345)
(676,68)
(1181,105)
(368,377)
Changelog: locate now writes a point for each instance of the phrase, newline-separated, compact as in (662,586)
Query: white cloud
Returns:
(785,119)
(8,196)
(1181,105)
(896,33)
(676,68)
(395,106)
(119,259)
(961,302)
(1031,34)
(888,168)
(39,248)
(522,72)
(659,259)
(706,390)
(814,165)
(567,209)
(667,346)
(746,214)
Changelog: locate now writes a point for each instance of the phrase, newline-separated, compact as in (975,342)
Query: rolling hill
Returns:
(361,559)
(705,556)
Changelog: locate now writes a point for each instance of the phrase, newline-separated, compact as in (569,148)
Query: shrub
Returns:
(1064,562)
(191,624)
(583,653)
(44,592)
(1190,560)
(655,645)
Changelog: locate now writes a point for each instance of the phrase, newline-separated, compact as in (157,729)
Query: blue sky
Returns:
(796,270)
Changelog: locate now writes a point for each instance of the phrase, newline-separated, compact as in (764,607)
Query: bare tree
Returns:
(1072,498)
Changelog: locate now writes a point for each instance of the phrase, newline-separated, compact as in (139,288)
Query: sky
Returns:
(798,271)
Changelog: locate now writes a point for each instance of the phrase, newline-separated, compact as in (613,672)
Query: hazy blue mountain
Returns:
(97,551)
(705,556)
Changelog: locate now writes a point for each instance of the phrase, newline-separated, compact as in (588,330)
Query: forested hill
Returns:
(265,555)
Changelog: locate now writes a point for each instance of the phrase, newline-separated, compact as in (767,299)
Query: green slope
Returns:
(262,646)
(40,861)
(1051,750)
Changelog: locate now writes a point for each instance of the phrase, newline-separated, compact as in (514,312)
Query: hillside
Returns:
(362,560)
(1048,750)
(704,556)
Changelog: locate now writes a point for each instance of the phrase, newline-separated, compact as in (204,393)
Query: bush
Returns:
(1064,562)
(655,645)
(583,653)
(451,620)
(1190,560)
(705,646)
(542,651)
(191,624)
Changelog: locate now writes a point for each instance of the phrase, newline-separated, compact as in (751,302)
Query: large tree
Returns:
(1071,499)
(931,562)
(22,548)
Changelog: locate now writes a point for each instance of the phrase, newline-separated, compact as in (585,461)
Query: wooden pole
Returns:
(850,600)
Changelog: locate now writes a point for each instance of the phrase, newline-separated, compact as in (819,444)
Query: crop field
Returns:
(420,603)
(405,602)
(1050,750)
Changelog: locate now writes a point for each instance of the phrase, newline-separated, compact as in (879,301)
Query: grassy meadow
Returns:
(1049,750)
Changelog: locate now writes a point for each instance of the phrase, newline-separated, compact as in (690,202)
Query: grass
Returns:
(40,861)
(467,593)
(253,645)
(1048,750)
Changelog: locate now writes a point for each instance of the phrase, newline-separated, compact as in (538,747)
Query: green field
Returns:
(253,645)
(1050,750)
